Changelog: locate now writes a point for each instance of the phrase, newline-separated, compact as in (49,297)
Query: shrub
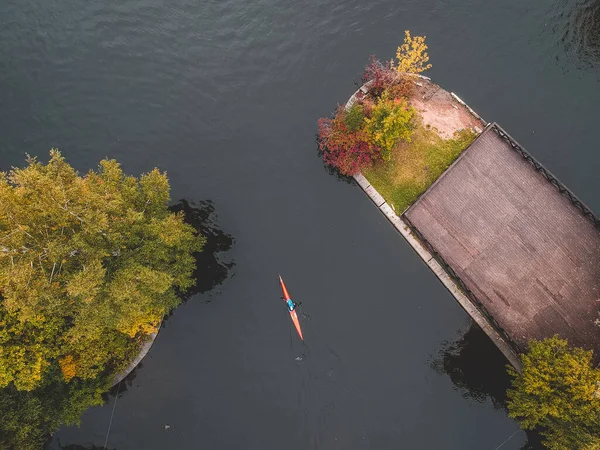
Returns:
(412,55)
(381,75)
(403,87)
(348,151)
(390,121)
(355,117)
(384,77)
(368,104)
(558,391)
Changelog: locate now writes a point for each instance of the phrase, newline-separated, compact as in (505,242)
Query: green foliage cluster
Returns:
(88,267)
(30,417)
(558,392)
(390,122)
(355,117)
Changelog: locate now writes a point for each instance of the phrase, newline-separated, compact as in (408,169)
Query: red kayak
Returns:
(291,307)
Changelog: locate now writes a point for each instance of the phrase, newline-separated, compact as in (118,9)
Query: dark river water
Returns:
(224,95)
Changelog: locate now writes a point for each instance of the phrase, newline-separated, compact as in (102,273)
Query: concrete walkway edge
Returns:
(439,271)
(138,359)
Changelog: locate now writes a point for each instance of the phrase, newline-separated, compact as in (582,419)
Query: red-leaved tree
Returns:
(384,77)
(348,151)
(381,75)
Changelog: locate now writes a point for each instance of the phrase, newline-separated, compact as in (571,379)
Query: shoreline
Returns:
(137,360)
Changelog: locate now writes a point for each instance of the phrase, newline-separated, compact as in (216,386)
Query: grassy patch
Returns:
(415,165)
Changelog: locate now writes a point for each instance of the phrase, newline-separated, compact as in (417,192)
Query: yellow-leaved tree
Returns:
(89,265)
(558,393)
(412,55)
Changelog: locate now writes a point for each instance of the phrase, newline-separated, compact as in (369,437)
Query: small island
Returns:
(400,130)
(470,201)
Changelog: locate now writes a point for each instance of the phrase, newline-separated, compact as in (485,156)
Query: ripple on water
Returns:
(576,27)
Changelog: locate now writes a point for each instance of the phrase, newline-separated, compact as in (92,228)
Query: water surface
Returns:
(224,96)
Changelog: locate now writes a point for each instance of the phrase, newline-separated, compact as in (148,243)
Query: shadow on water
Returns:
(576,26)
(475,366)
(477,370)
(211,267)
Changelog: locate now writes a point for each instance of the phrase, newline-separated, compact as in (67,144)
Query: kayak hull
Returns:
(293,315)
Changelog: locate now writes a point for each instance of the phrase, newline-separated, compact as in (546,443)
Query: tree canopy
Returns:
(29,417)
(89,265)
(356,138)
(391,121)
(558,392)
(412,55)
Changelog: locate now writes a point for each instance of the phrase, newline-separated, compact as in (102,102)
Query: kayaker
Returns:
(291,305)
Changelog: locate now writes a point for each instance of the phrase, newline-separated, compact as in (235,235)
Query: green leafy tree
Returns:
(391,120)
(354,117)
(558,392)
(89,265)
(28,418)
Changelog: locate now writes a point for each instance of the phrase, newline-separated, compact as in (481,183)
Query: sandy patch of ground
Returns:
(441,111)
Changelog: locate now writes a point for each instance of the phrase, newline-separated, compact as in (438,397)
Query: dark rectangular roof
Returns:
(523,245)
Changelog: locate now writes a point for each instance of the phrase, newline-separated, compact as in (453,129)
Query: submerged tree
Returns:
(558,392)
(88,267)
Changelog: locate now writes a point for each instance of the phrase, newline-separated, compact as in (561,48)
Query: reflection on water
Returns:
(211,268)
(476,367)
(478,371)
(576,25)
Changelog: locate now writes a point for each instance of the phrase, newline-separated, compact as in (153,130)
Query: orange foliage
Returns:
(67,366)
